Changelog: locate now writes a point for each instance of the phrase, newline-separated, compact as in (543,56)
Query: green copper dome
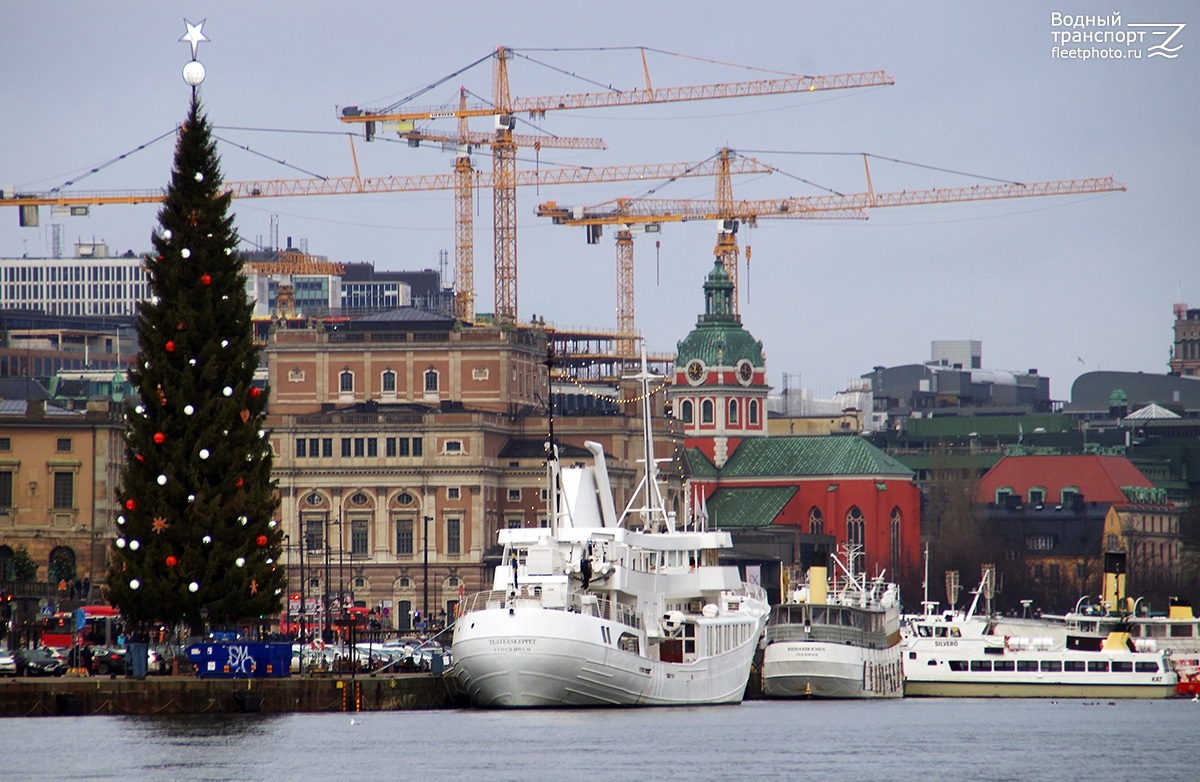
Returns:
(719,339)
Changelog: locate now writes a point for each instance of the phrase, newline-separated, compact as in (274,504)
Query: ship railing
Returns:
(532,597)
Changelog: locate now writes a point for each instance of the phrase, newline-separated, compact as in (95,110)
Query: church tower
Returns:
(720,389)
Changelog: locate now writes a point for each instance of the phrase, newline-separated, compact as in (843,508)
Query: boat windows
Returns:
(1097,666)
(1122,666)
(924,631)
(1004,665)
(1051,666)
(959,665)
(1146,667)
(1181,631)
(628,642)
(981,665)
(1074,666)
(940,632)
(1027,666)
(955,632)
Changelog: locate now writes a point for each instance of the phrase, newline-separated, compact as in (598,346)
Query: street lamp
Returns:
(425,568)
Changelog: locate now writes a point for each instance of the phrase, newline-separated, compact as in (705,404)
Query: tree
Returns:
(21,566)
(196,529)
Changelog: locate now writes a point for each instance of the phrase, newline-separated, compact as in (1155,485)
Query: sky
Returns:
(1065,285)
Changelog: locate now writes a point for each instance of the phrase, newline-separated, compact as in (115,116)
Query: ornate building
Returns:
(835,489)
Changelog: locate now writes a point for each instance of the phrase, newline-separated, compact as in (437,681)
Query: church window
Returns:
(816,521)
(856,537)
(706,411)
(686,411)
(733,412)
(752,412)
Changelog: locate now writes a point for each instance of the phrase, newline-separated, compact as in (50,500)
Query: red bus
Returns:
(102,626)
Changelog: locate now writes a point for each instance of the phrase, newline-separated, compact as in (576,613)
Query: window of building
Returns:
(346,382)
(64,444)
(856,537)
(5,444)
(404,537)
(895,533)
(360,446)
(816,521)
(359,537)
(327,448)
(453,536)
(1040,542)
(513,522)
(6,493)
(752,413)
(314,447)
(64,490)
(301,448)
(372,446)
(686,411)
(454,446)
(514,495)
(418,446)
(346,446)
(1037,495)
(1069,493)
(314,533)
(453,493)
(706,411)
(402,445)
(389,382)
(389,446)
(431,380)
(733,412)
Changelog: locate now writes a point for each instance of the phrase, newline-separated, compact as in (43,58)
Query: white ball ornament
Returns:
(185,253)
(192,362)
(120,519)
(167,234)
(271,523)
(188,409)
(227,391)
(270,561)
(243,520)
(134,545)
(206,540)
(240,562)
(120,542)
(139,410)
(203,453)
(134,583)
(193,587)
(199,176)
(224,343)
(162,480)
(229,251)
(191,498)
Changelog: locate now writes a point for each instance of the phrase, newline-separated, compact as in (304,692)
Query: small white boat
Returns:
(959,654)
(605,610)
(839,641)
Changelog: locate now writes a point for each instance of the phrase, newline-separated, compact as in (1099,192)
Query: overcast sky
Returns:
(1064,284)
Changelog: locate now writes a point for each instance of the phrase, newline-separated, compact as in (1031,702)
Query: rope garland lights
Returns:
(613,399)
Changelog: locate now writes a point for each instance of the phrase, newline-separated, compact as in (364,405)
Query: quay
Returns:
(160,695)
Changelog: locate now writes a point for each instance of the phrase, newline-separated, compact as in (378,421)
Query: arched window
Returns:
(895,531)
(752,413)
(733,412)
(816,521)
(346,382)
(686,411)
(388,383)
(62,564)
(706,411)
(431,380)
(856,537)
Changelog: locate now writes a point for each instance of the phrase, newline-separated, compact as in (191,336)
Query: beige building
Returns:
(404,442)
(58,474)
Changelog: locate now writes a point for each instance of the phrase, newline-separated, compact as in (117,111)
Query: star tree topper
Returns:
(194,34)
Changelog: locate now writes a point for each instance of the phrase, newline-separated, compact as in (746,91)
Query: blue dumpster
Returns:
(436,663)
(241,660)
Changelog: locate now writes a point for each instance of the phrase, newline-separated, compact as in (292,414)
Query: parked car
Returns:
(39,662)
(8,664)
(107,659)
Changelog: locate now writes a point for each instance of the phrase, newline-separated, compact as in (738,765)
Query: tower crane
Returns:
(628,212)
(504,142)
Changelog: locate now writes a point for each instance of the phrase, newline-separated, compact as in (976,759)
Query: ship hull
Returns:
(798,669)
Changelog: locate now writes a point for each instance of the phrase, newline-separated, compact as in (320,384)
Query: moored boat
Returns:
(835,641)
(959,654)
(605,610)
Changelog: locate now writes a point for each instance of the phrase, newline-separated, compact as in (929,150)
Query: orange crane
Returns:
(646,212)
(504,143)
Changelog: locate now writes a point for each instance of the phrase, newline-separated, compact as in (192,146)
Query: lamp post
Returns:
(327,632)
(425,568)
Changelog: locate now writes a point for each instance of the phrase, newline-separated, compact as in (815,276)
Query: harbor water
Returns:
(895,741)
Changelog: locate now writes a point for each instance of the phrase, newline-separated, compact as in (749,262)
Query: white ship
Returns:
(839,642)
(960,654)
(605,610)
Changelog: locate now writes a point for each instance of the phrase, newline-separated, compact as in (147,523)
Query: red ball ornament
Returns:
(159,438)
(130,504)
(255,391)
(170,346)
(240,482)
(141,458)
(205,279)
(261,540)
(171,561)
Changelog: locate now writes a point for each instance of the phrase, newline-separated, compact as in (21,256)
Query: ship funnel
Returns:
(818,584)
(1114,580)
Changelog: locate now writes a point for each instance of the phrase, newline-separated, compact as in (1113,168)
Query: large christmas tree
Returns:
(196,532)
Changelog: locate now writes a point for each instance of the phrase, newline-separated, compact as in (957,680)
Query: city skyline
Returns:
(1066,284)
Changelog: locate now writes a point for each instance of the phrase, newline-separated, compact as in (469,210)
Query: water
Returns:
(930,740)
